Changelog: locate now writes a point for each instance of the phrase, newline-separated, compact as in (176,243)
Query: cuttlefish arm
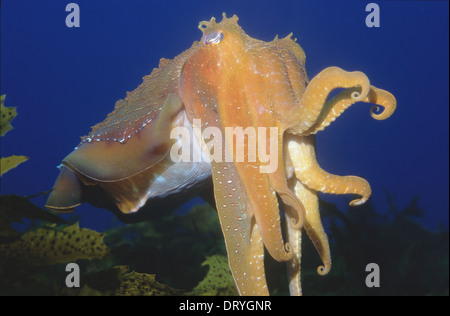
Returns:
(234,81)
(302,154)
(243,240)
(312,102)
(338,104)
(243,235)
(310,178)
(319,113)
(314,112)
(261,107)
(246,202)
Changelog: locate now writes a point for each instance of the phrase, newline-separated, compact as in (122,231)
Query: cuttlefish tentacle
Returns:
(301,151)
(294,237)
(278,180)
(383,98)
(243,239)
(334,107)
(295,209)
(314,177)
(262,203)
(257,276)
(317,91)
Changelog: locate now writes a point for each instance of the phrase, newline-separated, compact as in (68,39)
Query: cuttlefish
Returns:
(243,113)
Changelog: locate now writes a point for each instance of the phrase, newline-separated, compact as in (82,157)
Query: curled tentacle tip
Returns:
(386,112)
(288,247)
(356,96)
(360,201)
(289,252)
(376,111)
(364,85)
(323,270)
(296,224)
(360,96)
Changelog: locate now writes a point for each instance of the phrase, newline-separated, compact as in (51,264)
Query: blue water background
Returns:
(64,80)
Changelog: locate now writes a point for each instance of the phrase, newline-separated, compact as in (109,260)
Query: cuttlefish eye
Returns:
(213,38)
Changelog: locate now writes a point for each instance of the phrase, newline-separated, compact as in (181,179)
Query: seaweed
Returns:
(116,262)
(7,114)
(413,259)
(218,281)
(183,254)
(186,237)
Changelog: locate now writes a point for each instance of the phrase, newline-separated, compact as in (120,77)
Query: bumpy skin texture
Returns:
(230,80)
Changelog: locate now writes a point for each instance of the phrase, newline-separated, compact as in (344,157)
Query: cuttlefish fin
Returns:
(112,162)
(66,194)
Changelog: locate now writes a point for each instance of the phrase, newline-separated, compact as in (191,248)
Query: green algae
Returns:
(7,114)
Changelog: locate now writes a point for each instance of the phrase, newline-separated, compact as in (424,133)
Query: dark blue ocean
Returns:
(64,80)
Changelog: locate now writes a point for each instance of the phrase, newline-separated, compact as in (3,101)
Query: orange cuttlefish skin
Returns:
(233,80)
(261,93)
